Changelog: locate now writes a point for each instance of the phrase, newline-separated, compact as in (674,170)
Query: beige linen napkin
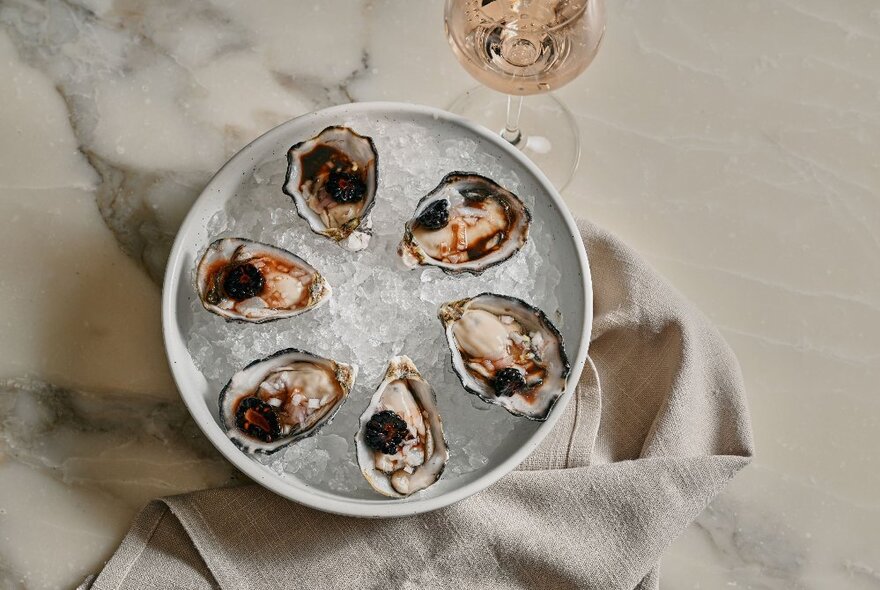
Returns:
(657,426)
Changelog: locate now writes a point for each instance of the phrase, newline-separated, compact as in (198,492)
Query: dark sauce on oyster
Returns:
(331,167)
(490,244)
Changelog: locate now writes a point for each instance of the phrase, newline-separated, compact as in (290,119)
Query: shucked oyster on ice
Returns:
(506,352)
(467,224)
(248,281)
(332,179)
(400,444)
(283,398)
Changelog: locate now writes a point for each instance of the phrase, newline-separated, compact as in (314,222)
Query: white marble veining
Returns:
(735,144)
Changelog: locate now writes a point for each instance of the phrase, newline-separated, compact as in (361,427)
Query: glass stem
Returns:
(511,130)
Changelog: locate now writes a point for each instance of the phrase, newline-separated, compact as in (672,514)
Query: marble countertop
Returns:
(734,144)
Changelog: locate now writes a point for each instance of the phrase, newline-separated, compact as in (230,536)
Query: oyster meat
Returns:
(283,398)
(506,352)
(467,224)
(248,281)
(400,444)
(332,179)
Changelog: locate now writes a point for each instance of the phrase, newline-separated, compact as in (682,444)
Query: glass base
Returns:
(549,137)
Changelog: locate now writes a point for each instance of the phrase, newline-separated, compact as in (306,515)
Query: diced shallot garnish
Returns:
(460,232)
(537,340)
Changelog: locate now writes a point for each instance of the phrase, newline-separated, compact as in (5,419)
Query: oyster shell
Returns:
(248,281)
(400,444)
(506,352)
(283,398)
(466,224)
(332,179)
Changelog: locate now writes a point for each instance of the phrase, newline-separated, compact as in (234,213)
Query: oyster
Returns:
(467,224)
(506,352)
(283,398)
(248,281)
(400,444)
(332,179)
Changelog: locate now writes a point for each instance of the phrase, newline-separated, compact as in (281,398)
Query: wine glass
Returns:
(526,47)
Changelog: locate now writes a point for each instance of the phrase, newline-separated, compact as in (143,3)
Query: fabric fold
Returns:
(657,426)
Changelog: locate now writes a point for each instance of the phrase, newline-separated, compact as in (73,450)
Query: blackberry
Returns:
(435,215)
(385,432)
(257,419)
(243,282)
(345,187)
(508,381)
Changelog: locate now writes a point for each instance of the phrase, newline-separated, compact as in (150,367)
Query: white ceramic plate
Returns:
(574,296)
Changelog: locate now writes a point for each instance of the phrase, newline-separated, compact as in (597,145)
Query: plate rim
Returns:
(318,499)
